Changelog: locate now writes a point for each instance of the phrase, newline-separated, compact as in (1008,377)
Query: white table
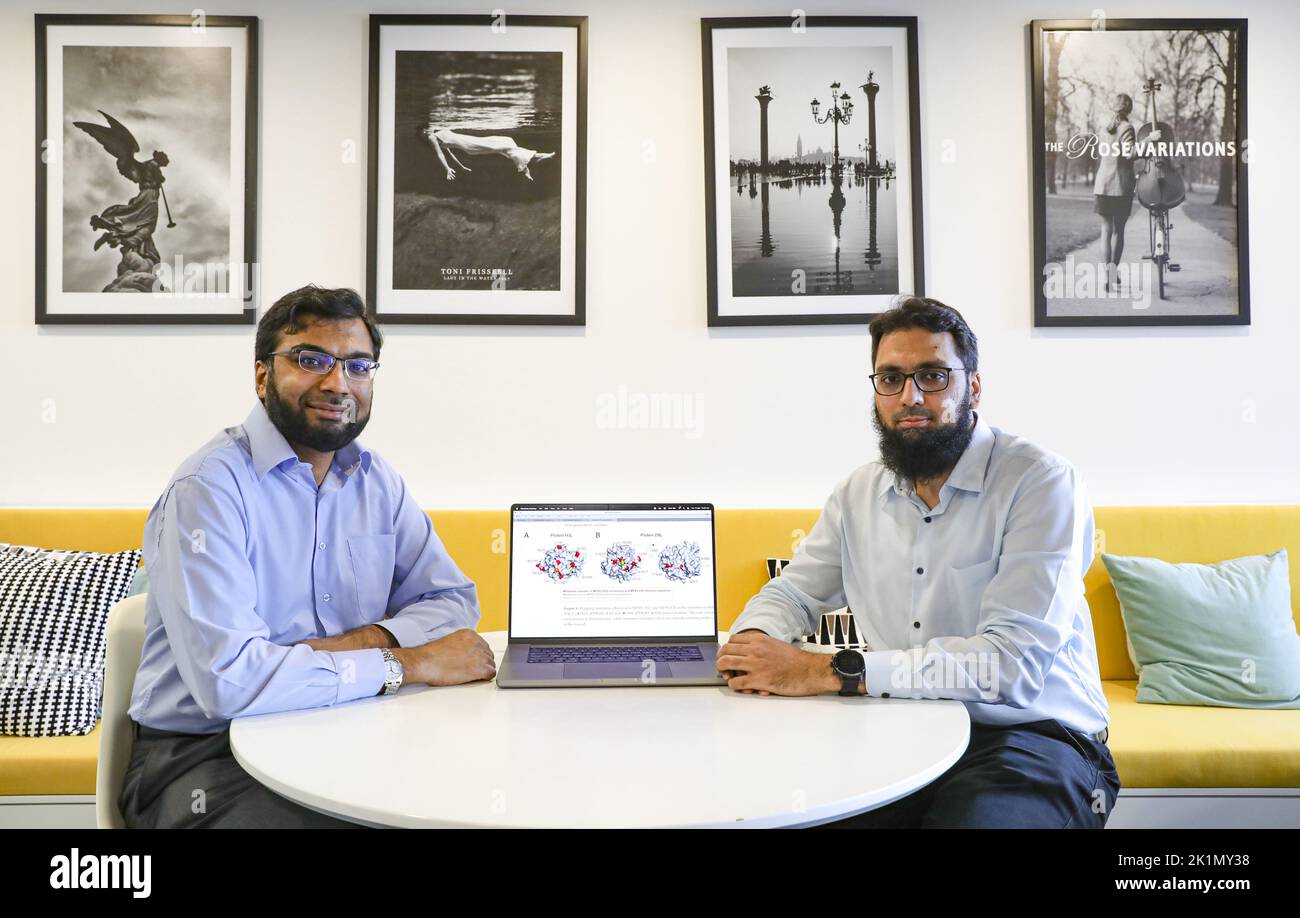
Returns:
(478,755)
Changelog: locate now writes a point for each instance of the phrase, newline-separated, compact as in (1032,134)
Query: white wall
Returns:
(480,418)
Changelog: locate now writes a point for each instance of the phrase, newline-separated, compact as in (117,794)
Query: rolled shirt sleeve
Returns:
(203,583)
(791,605)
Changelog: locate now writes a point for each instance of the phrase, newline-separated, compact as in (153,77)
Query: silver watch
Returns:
(393,672)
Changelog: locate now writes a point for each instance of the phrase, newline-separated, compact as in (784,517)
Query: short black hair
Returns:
(931,315)
(286,316)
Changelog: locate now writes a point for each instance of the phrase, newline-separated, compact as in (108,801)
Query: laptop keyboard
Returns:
(672,653)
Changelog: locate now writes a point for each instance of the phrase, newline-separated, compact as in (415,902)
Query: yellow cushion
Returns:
(35,765)
(1178,745)
(76,529)
(1154,745)
(478,541)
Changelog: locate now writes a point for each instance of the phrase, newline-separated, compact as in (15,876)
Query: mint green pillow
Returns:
(1210,634)
(140,584)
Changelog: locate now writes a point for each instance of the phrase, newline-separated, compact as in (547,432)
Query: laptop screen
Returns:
(594,571)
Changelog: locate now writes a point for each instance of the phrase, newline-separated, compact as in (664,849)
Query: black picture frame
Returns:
(378,291)
(1150,242)
(45,311)
(722,312)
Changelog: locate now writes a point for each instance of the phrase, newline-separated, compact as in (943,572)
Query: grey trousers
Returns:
(184,780)
(1039,775)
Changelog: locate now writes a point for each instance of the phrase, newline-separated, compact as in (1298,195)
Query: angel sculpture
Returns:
(130,225)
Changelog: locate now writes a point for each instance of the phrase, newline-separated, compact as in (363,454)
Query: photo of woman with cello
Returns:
(1146,116)
(1115,183)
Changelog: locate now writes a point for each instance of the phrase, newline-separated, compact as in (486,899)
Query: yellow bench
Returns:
(1158,747)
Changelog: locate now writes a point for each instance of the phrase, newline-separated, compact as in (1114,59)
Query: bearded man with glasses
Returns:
(289,567)
(960,554)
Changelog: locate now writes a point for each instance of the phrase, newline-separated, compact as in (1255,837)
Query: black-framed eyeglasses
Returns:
(361,369)
(927,379)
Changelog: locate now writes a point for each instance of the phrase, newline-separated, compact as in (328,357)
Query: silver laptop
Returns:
(611,594)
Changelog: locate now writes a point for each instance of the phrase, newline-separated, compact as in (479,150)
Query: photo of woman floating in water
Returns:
(476,174)
(446,143)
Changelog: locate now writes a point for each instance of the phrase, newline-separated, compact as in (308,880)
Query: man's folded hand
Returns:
(752,662)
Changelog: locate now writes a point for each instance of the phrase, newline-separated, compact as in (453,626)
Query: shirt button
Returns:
(916,624)
(927,519)
(321,546)
(326,597)
(920,570)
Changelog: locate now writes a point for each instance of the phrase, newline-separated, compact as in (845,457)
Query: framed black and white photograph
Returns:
(812,165)
(1139,170)
(146,169)
(477,169)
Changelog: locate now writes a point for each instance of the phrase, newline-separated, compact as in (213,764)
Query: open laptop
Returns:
(611,594)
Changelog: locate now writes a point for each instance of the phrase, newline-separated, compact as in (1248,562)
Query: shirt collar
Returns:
(352,457)
(270,449)
(968,474)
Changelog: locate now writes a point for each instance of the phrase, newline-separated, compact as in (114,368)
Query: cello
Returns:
(1159,189)
(1161,186)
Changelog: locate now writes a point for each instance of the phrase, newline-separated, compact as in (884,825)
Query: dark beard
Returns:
(291,421)
(921,455)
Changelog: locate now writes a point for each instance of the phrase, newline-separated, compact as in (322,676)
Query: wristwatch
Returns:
(850,667)
(393,672)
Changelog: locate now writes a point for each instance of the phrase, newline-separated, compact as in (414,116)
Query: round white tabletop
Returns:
(481,756)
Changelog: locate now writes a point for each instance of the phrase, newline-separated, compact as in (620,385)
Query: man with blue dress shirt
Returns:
(961,554)
(289,568)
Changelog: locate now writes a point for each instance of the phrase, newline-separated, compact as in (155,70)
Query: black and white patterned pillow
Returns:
(53,622)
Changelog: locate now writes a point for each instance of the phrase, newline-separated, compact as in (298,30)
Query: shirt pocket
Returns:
(372,559)
(966,587)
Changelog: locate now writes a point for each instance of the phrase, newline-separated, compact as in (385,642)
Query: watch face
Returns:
(849,663)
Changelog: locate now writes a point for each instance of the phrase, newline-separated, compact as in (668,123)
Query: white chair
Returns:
(116,737)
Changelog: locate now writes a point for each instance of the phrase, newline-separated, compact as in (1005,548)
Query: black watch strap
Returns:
(849,683)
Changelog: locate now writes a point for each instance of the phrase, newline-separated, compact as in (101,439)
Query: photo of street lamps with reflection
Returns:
(812,161)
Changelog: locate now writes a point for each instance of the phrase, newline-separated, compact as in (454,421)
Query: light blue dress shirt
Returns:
(980,599)
(246,557)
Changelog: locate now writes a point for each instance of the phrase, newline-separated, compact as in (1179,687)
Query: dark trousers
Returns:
(1039,775)
(183,780)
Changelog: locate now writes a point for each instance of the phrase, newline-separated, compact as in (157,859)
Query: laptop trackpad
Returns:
(615,671)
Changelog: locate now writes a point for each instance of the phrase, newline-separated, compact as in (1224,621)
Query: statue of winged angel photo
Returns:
(130,226)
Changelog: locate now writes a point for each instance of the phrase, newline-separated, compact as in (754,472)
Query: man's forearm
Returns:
(364,638)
